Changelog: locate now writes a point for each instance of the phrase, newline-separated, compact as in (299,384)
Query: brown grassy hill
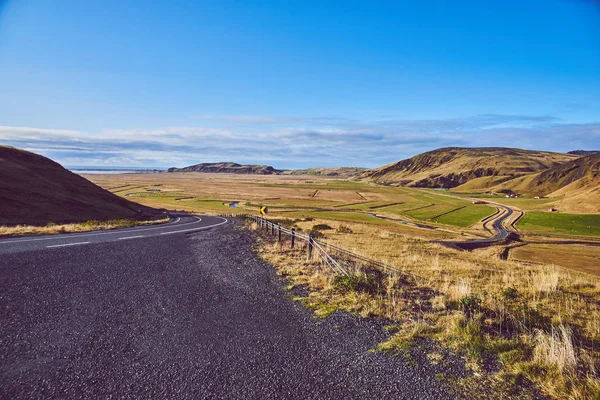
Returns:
(575,184)
(338,172)
(35,190)
(228,168)
(454,166)
(584,152)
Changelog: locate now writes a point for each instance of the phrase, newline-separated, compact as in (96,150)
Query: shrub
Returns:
(510,293)
(469,305)
(343,229)
(287,223)
(50,225)
(321,227)
(316,234)
(356,283)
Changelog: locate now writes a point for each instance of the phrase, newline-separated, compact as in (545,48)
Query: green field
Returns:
(430,206)
(343,216)
(353,201)
(566,224)
(465,216)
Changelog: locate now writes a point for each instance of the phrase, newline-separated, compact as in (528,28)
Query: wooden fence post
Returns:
(310,246)
(272,229)
(293,237)
(266,226)
(278,233)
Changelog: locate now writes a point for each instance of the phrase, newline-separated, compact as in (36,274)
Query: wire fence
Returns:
(313,246)
(340,260)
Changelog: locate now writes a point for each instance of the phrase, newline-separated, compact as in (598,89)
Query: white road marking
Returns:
(196,229)
(137,229)
(68,244)
(131,237)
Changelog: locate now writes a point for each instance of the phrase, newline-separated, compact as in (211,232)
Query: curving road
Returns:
(498,224)
(185,310)
(502,233)
(182,223)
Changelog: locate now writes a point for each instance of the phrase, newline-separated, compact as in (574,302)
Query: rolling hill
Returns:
(228,168)
(234,168)
(339,172)
(584,152)
(575,184)
(455,166)
(35,190)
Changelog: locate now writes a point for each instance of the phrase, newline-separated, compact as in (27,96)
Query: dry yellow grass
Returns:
(585,258)
(52,229)
(541,321)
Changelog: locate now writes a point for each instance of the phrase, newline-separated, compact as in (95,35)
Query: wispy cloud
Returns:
(299,142)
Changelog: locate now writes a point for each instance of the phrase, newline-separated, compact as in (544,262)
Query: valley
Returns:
(418,212)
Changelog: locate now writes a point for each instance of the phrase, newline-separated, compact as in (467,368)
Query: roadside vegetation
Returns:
(522,328)
(51,228)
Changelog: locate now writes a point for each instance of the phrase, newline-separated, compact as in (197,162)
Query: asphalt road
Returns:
(187,315)
(501,232)
(181,223)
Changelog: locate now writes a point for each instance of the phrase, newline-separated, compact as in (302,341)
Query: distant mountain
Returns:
(339,172)
(35,190)
(233,168)
(455,166)
(584,152)
(229,168)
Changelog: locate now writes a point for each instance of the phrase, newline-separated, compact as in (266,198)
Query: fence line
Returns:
(339,261)
(338,258)
(312,244)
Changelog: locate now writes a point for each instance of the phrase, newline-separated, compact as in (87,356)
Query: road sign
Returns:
(264,210)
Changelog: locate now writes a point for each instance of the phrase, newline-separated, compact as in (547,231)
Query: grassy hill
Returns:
(454,166)
(339,172)
(575,185)
(35,190)
(228,168)
(234,168)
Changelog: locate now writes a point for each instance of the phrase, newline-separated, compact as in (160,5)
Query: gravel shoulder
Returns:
(183,316)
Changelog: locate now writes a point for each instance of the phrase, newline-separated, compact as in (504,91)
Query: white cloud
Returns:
(310,142)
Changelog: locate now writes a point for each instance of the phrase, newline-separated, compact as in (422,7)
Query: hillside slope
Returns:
(454,166)
(575,184)
(584,152)
(228,168)
(339,172)
(35,190)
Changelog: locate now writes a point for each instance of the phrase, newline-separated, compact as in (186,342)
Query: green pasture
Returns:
(466,216)
(566,224)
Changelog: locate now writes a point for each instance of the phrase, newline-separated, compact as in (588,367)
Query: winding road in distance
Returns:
(183,310)
(501,232)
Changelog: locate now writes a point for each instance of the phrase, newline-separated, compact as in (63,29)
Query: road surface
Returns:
(182,311)
(182,223)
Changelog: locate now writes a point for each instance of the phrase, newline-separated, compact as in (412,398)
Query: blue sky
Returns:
(295,83)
